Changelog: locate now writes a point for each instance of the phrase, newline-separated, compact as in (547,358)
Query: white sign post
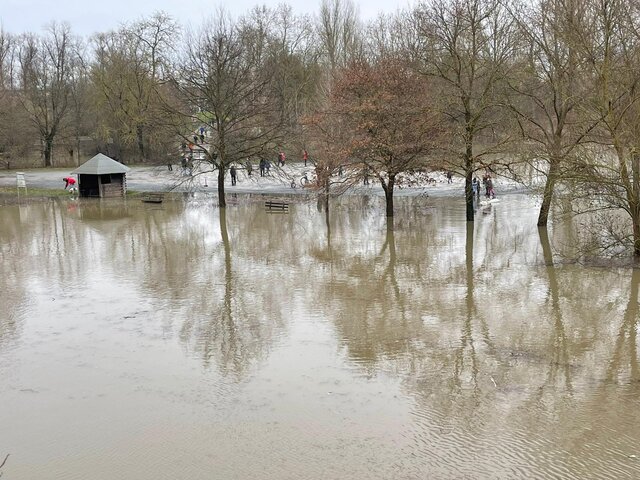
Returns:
(21,182)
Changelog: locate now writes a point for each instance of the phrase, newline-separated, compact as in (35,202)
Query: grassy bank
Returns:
(34,192)
(9,195)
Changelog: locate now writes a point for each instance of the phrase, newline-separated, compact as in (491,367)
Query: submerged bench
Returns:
(153,198)
(274,206)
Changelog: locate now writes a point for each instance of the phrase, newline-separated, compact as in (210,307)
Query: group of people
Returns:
(487,183)
(264,165)
(199,136)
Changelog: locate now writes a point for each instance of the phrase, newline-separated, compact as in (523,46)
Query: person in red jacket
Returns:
(71,183)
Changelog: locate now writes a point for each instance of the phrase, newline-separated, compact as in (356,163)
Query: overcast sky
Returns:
(89,16)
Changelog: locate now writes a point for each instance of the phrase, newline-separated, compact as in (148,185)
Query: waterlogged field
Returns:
(170,341)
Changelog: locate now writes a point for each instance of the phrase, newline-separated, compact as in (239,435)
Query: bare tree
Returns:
(610,173)
(9,127)
(468,46)
(3,462)
(129,66)
(550,90)
(226,86)
(6,47)
(339,31)
(46,68)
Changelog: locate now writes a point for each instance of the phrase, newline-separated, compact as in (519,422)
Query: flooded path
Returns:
(169,342)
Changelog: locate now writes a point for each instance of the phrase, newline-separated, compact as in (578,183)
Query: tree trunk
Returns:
(547,254)
(468,194)
(76,152)
(140,137)
(221,200)
(634,203)
(327,186)
(547,195)
(388,194)
(468,175)
(328,225)
(48,151)
(635,220)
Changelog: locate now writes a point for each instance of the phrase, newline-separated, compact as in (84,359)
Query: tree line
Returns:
(545,92)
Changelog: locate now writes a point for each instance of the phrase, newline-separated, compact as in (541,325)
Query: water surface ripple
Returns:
(181,341)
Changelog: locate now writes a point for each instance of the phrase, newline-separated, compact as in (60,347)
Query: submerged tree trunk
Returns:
(221,200)
(634,203)
(388,194)
(468,174)
(325,197)
(547,254)
(547,195)
(328,225)
(468,195)
(635,222)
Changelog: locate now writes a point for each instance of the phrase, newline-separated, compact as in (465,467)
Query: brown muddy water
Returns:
(151,342)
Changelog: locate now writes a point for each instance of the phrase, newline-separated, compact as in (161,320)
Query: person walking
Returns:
(249,167)
(233,172)
(267,166)
(263,166)
(190,165)
(305,157)
(475,188)
(449,176)
(281,158)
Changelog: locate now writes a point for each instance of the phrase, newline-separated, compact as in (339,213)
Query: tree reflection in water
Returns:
(226,323)
(486,344)
(621,370)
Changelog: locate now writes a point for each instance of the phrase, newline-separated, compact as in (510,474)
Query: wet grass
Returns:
(10,195)
(34,192)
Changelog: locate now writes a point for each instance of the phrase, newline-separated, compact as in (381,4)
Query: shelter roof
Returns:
(101,165)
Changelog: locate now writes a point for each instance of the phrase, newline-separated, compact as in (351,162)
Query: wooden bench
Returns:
(273,206)
(153,198)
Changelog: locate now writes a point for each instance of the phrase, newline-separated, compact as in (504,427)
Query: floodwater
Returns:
(170,342)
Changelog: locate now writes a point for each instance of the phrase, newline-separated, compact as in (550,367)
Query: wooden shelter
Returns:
(102,177)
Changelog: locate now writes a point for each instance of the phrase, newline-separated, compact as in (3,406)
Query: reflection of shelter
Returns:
(102,177)
(100,212)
